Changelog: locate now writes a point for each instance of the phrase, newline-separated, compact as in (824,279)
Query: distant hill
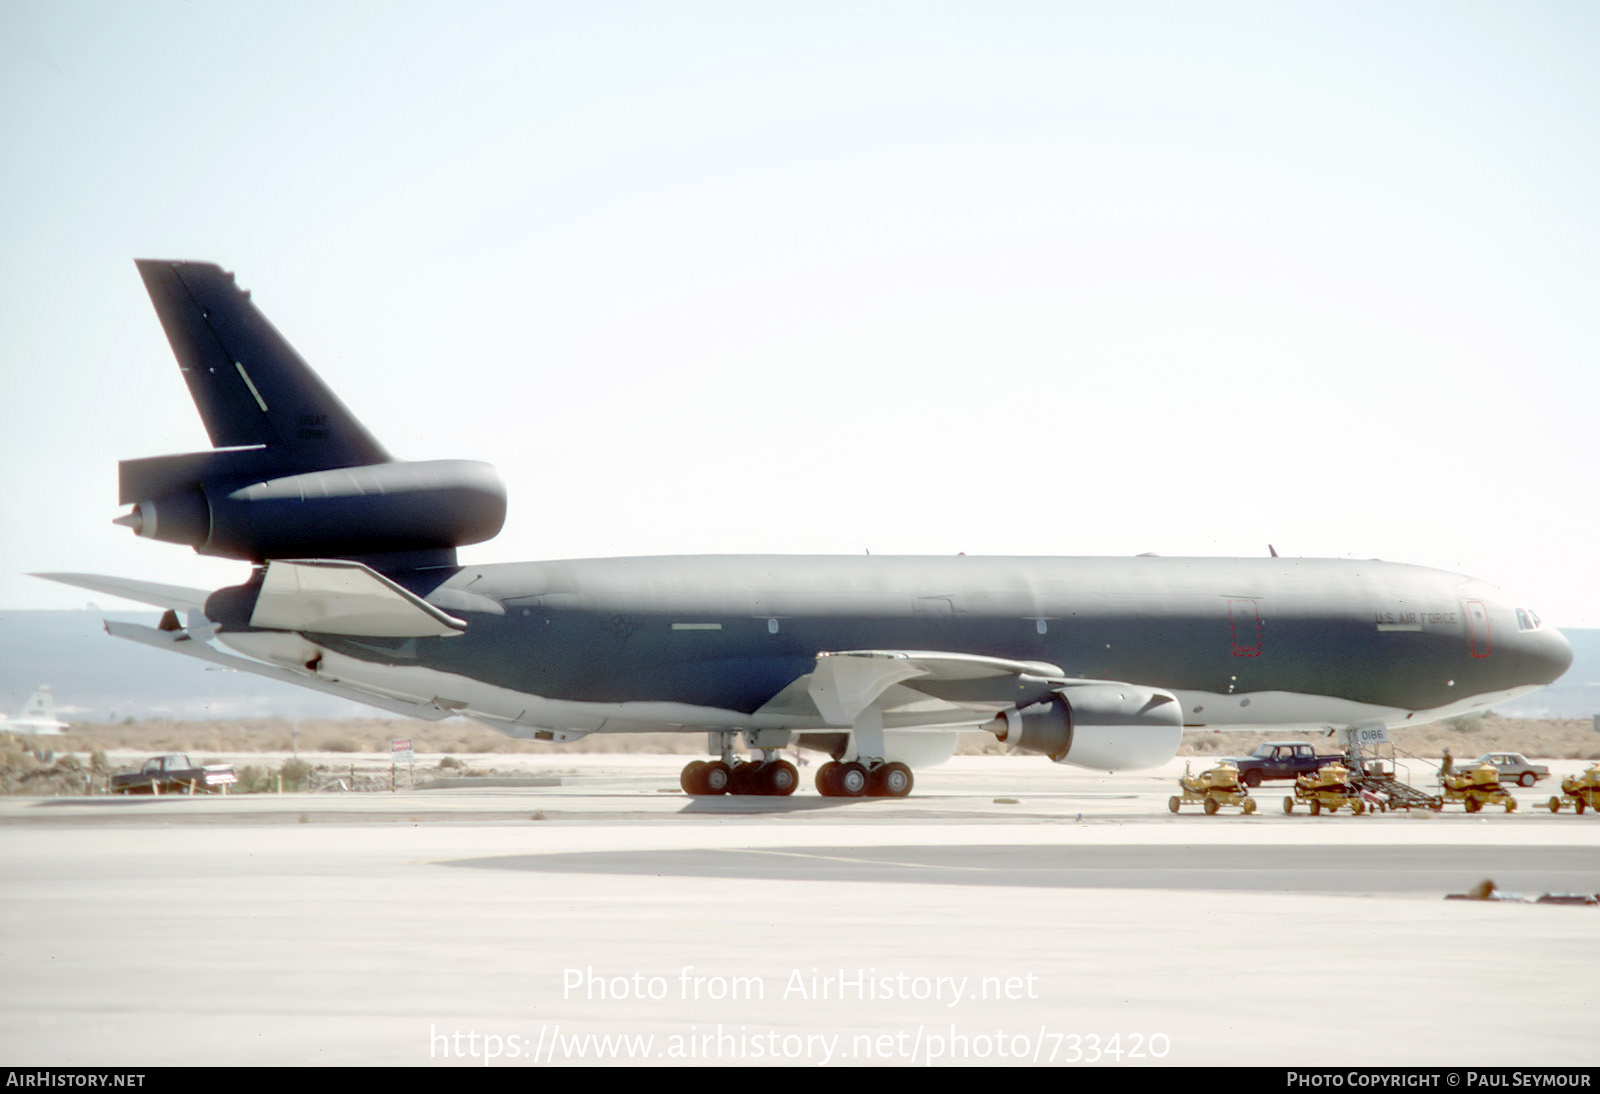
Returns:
(97,678)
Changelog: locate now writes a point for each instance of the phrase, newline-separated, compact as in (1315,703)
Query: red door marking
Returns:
(1246,623)
(1478,624)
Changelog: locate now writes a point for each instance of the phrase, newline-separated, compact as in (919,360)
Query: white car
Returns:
(1513,767)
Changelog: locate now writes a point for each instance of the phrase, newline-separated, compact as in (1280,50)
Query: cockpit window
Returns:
(1527,620)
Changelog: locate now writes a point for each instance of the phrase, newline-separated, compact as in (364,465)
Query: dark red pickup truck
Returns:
(1279,760)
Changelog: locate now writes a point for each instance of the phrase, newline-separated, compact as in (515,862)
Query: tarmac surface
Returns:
(1010,911)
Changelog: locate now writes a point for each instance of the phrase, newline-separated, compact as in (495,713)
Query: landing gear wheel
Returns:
(825,775)
(851,780)
(717,778)
(1173,803)
(1211,807)
(780,779)
(745,778)
(691,778)
(891,780)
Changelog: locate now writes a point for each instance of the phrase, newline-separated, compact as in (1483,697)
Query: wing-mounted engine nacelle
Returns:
(345,512)
(1103,726)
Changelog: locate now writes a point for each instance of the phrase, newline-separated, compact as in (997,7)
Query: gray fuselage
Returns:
(731,632)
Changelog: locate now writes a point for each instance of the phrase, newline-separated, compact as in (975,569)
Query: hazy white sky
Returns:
(1007,278)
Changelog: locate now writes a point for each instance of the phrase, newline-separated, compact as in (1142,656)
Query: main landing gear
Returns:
(778,778)
(854,779)
(731,775)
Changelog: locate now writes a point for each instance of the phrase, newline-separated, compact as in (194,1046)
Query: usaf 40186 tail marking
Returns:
(1101,662)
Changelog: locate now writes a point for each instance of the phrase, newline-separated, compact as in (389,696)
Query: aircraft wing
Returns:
(177,597)
(928,686)
(182,641)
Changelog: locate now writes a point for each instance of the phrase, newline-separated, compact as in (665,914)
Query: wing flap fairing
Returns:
(334,596)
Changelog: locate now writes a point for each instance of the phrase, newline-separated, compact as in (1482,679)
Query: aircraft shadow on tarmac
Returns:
(1390,870)
(736,804)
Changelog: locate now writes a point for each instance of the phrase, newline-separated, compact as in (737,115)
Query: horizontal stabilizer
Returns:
(180,642)
(177,597)
(333,596)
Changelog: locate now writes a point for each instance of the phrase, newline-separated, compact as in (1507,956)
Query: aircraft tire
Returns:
(890,780)
(852,780)
(780,779)
(745,778)
(718,778)
(825,775)
(690,777)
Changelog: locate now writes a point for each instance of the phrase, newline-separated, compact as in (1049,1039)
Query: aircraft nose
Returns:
(1554,653)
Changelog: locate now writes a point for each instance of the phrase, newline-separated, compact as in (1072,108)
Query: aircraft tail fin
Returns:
(250,386)
(41,707)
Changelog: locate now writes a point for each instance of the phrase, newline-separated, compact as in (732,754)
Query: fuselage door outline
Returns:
(1245,628)
(1478,627)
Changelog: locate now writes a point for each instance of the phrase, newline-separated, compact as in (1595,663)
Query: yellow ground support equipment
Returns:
(1327,788)
(1579,791)
(1212,789)
(1478,788)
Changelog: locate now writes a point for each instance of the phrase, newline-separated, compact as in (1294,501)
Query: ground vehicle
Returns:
(1478,787)
(175,773)
(1580,791)
(1279,760)
(1212,789)
(1328,788)
(1512,767)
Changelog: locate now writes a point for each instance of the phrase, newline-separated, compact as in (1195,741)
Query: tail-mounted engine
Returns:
(200,501)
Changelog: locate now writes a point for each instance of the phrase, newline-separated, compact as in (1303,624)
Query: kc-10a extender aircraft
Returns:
(355,590)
